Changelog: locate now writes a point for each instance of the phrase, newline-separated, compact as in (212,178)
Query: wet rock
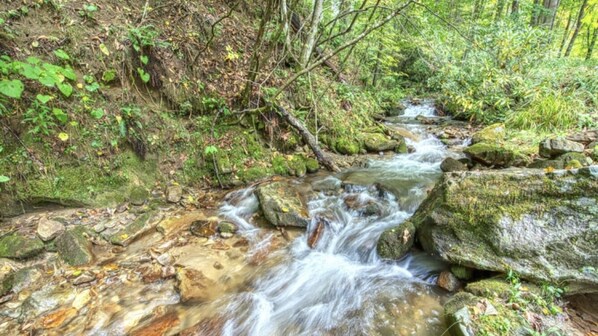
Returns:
(315,235)
(378,142)
(82,299)
(48,229)
(282,205)
(24,278)
(193,285)
(58,318)
(18,246)
(174,193)
(462,272)
(227,228)
(74,248)
(541,225)
(217,265)
(495,155)
(400,134)
(491,134)
(450,165)
(174,224)
(395,242)
(141,225)
(150,272)
(544,164)
(551,148)
(448,281)
(395,110)
(204,228)
(330,183)
(46,299)
(84,278)
(157,327)
(138,195)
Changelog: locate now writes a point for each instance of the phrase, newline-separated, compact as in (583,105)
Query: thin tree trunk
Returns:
(566,33)
(284,14)
(548,14)
(515,8)
(535,13)
(592,44)
(310,43)
(577,27)
(500,6)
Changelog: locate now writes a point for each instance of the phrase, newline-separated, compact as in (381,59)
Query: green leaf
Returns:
(44,98)
(69,73)
(62,55)
(4,179)
(60,115)
(145,77)
(109,75)
(66,89)
(47,79)
(210,150)
(33,60)
(12,88)
(144,59)
(92,87)
(104,49)
(29,71)
(97,113)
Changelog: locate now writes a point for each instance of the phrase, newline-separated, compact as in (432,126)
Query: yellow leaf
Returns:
(549,169)
(77,272)
(63,136)
(124,236)
(104,49)
(285,210)
(79,85)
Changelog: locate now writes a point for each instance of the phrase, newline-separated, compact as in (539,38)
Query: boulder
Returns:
(400,133)
(491,134)
(551,148)
(74,248)
(141,225)
(329,183)
(174,194)
(48,229)
(495,155)
(396,242)
(543,226)
(18,246)
(282,205)
(378,142)
(346,147)
(194,286)
(448,281)
(138,195)
(543,164)
(450,165)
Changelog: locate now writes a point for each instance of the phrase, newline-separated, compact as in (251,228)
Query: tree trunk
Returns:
(500,6)
(548,14)
(515,8)
(310,43)
(566,33)
(284,15)
(577,27)
(592,44)
(306,135)
(535,13)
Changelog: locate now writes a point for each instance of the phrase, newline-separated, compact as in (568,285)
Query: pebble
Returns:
(218,265)
(84,278)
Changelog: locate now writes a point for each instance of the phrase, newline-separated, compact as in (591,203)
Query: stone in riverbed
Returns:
(17,246)
(544,226)
(377,142)
(74,248)
(174,194)
(282,205)
(330,183)
(141,225)
(194,286)
(204,227)
(138,195)
(48,229)
(551,148)
(395,242)
(450,165)
(448,281)
(495,155)
(492,134)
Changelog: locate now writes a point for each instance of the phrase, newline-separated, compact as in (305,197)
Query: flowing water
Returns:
(263,286)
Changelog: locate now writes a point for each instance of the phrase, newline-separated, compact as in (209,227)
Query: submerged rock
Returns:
(74,248)
(17,246)
(282,205)
(395,242)
(193,285)
(543,226)
(495,155)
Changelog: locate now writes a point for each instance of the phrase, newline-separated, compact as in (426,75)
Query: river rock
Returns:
(193,285)
(330,183)
(282,205)
(141,225)
(74,248)
(48,229)
(25,277)
(491,134)
(227,229)
(174,193)
(448,281)
(400,134)
(18,246)
(84,278)
(544,164)
(495,155)
(138,195)
(377,142)
(204,227)
(395,242)
(450,165)
(46,299)
(551,148)
(543,226)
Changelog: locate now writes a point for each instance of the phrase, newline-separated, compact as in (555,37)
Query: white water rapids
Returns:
(341,286)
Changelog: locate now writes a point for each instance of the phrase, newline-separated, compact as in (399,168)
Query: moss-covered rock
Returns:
(312,165)
(495,155)
(462,272)
(543,226)
(543,164)
(572,160)
(282,205)
(551,148)
(346,147)
(491,134)
(17,246)
(378,142)
(396,242)
(450,165)
(74,248)
(6,283)
(138,195)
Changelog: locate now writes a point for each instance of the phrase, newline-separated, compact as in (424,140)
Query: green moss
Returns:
(312,165)
(490,288)
(279,165)
(254,174)
(138,195)
(17,246)
(346,147)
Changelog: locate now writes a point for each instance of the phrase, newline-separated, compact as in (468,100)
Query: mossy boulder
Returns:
(396,242)
(74,248)
(138,195)
(495,155)
(346,146)
(450,165)
(491,134)
(543,164)
(282,205)
(312,165)
(551,148)
(378,142)
(544,226)
(572,160)
(18,246)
